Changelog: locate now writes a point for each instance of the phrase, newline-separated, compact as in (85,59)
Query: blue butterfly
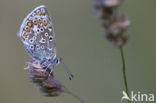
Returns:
(38,36)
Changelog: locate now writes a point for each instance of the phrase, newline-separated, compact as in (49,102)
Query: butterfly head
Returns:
(57,61)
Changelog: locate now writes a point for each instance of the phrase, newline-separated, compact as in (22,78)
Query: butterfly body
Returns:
(38,37)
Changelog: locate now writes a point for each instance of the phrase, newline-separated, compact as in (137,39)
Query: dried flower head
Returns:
(111,3)
(44,79)
(116,29)
(115,24)
(104,8)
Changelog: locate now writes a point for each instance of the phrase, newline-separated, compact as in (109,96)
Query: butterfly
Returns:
(38,36)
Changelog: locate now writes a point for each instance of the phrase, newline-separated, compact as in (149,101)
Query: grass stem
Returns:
(124,72)
(73,95)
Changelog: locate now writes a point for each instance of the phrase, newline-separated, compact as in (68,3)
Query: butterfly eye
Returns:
(56,61)
(27,29)
(46,34)
(50,38)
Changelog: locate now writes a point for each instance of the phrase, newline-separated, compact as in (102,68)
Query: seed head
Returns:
(104,8)
(45,79)
(116,29)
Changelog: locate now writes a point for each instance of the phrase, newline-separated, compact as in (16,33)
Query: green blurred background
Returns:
(95,63)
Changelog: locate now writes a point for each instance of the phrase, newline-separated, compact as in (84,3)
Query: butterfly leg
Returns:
(43,63)
(46,68)
(51,70)
(50,73)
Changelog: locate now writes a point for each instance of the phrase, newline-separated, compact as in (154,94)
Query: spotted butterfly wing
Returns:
(38,37)
(37,34)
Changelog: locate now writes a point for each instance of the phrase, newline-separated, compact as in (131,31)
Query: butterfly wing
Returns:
(37,34)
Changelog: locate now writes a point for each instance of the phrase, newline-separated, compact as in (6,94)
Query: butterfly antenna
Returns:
(69,74)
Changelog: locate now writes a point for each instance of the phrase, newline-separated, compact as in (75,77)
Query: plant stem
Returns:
(124,71)
(74,95)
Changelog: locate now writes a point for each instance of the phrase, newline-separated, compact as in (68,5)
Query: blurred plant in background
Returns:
(115,26)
